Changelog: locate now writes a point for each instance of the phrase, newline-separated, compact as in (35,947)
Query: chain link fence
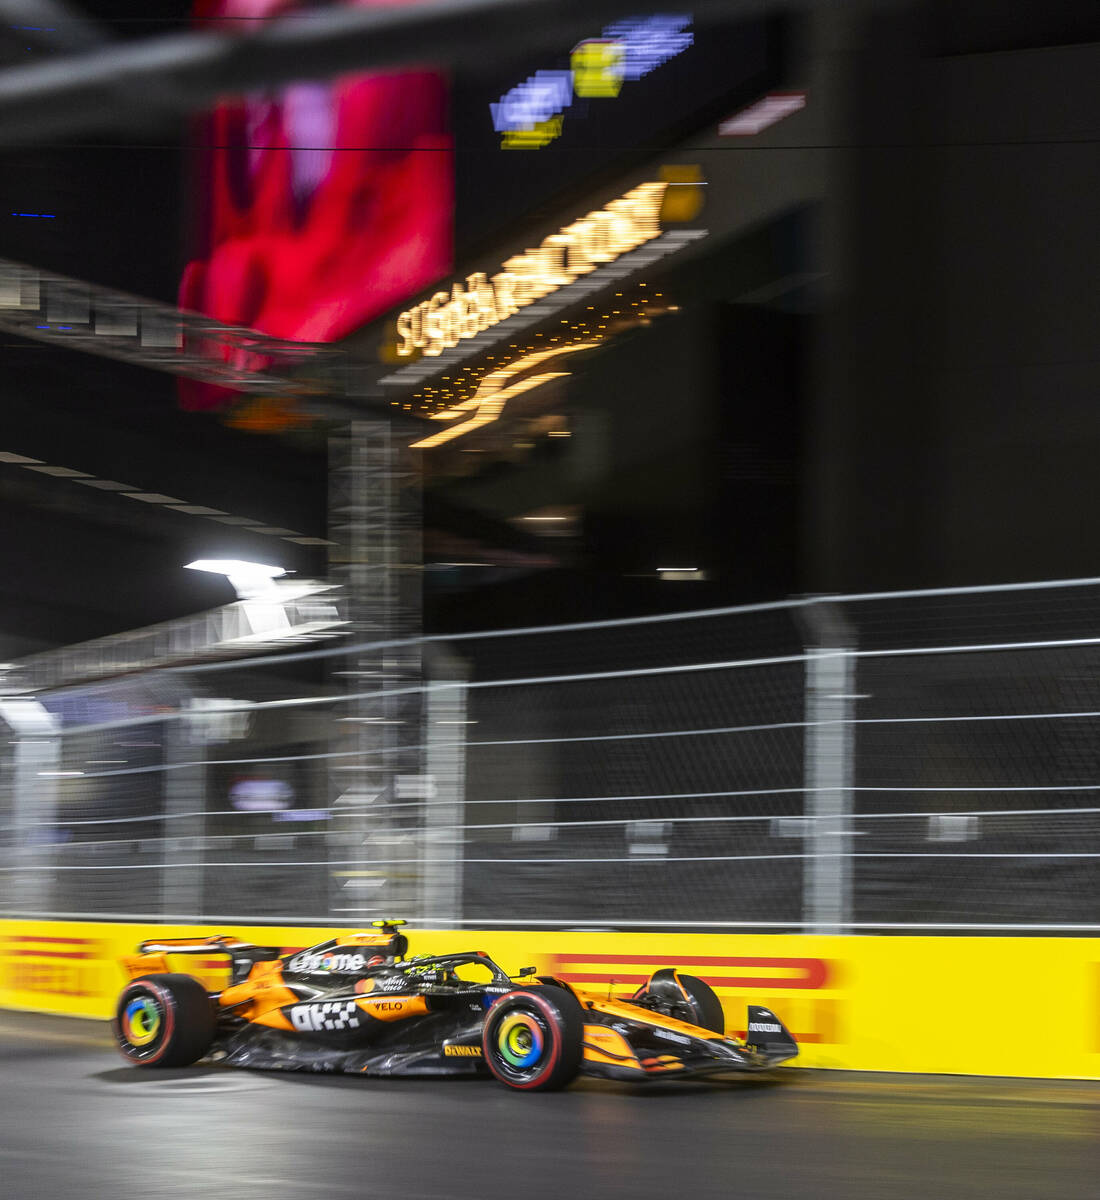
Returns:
(919,761)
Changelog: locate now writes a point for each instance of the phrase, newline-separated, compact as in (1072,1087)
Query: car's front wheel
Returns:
(532,1038)
(685,997)
(164,1021)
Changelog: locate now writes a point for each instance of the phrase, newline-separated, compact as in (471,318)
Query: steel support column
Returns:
(830,669)
(374,523)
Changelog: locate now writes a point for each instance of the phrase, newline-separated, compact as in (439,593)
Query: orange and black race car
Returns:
(356,1003)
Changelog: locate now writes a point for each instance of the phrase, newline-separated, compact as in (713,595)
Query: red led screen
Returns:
(322,204)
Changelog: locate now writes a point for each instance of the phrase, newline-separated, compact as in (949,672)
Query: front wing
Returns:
(624,1042)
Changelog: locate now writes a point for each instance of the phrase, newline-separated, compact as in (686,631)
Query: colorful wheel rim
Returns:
(520,1039)
(141,1021)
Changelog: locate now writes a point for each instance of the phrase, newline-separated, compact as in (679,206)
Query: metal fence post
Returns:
(830,669)
(183,828)
(443,840)
(34,765)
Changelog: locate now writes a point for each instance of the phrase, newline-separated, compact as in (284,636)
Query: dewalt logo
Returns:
(462,1051)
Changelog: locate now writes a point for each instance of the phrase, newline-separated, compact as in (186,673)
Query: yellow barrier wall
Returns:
(976,1006)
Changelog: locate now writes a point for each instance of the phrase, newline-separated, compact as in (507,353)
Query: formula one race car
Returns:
(357,1004)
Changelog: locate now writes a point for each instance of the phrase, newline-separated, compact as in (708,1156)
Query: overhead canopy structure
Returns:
(298,613)
(91,83)
(82,316)
(115,86)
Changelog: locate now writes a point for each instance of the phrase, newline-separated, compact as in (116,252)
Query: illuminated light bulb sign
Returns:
(599,67)
(442,321)
(533,105)
(530,115)
(495,390)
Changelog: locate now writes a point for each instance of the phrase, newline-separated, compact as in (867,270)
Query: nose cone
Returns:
(728,1051)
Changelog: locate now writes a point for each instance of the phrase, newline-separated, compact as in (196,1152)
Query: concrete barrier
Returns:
(957,1005)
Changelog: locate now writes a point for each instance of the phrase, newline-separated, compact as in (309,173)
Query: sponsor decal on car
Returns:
(393,1009)
(462,1051)
(329,1015)
(669,1036)
(343,964)
(764,1027)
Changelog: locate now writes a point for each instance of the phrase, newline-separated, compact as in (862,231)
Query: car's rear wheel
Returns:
(532,1038)
(164,1021)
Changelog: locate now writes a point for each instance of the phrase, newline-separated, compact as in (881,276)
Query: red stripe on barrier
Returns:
(19,937)
(50,954)
(739,981)
(69,993)
(815,970)
(581,977)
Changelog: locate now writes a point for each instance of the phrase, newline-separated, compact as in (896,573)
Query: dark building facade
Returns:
(874,367)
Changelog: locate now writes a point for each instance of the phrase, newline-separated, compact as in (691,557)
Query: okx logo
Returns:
(332,1015)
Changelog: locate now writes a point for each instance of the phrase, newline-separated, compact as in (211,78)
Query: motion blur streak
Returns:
(489,408)
(816,1135)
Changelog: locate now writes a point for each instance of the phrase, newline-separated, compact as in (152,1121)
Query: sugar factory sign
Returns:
(446,318)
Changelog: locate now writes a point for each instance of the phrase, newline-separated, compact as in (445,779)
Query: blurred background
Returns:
(642,462)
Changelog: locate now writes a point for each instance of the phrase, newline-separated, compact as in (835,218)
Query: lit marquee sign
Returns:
(530,115)
(600,237)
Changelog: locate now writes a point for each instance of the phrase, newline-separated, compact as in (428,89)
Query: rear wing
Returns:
(222,944)
(152,955)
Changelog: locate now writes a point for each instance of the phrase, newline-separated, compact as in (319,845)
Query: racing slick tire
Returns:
(684,996)
(532,1039)
(707,1006)
(164,1021)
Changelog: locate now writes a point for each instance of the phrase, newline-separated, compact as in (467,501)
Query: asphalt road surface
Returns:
(79,1123)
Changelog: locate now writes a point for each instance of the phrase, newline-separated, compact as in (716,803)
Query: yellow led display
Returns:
(599,65)
(539,135)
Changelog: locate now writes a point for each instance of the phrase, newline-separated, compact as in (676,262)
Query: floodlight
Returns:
(250,580)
